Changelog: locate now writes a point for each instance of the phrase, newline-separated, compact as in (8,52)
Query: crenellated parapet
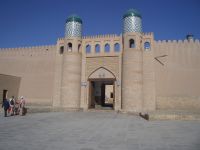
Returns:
(101,36)
(147,34)
(28,51)
(60,39)
(178,41)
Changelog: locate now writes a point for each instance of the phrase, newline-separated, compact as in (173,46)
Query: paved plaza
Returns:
(95,131)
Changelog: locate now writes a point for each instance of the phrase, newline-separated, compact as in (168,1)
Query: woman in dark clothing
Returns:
(6,106)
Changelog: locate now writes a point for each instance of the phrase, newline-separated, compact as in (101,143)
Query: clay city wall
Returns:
(177,69)
(35,67)
(177,74)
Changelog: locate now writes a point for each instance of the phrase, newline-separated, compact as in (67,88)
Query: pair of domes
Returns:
(129,13)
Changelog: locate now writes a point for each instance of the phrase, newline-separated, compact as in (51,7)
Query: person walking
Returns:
(22,106)
(6,106)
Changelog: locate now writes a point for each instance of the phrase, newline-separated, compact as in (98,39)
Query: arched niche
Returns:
(131,43)
(88,49)
(69,46)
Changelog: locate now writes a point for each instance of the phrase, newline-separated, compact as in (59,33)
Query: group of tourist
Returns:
(14,107)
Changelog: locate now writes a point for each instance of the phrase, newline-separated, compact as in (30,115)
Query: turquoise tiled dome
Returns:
(74,18)
(73,26)
(132,21)
(132,12)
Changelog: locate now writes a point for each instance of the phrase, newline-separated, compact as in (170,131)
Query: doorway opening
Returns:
(5,92)
(102,94)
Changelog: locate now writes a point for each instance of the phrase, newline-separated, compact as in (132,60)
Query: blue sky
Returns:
(41,22)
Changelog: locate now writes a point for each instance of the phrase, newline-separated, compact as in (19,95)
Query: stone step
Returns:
(174,115)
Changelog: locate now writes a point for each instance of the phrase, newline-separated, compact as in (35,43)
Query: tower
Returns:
(71,70)
(132,62)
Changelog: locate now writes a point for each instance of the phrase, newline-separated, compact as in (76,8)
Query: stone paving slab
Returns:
(95,131)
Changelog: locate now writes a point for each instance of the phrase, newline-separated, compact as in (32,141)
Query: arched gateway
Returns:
(101,93)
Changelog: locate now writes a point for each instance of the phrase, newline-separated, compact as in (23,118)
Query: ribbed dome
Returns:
(132,12)
(74,18)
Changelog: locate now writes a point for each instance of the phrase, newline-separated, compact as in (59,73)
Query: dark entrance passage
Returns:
(102,94)
(4,96)
(5,92)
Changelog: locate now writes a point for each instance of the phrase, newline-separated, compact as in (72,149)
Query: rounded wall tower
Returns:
(132,62)
(132,21)
(71,71)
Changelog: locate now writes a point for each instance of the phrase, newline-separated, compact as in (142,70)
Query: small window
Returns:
(107,48)
(131,43)
(147,46)
(97,48)
(79,47)
(69,48)
(61,49)
(88,49)
(117,47)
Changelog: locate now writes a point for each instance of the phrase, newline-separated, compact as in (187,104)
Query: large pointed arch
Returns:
(100,73)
